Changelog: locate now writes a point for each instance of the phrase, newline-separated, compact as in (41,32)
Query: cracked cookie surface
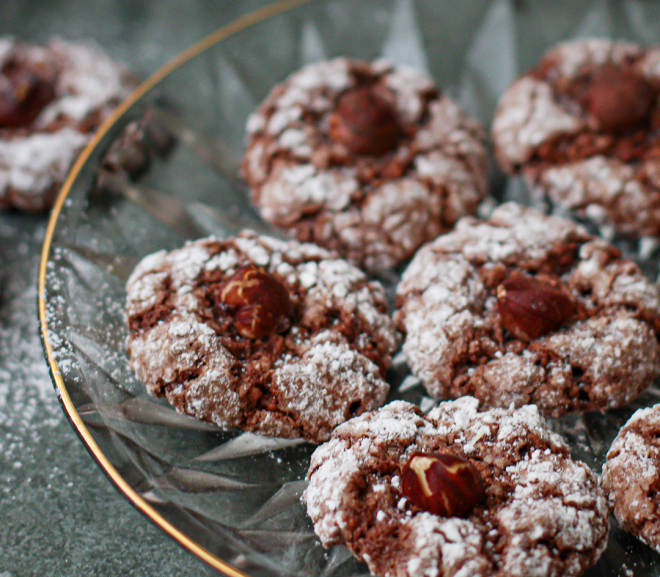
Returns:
(325,364)
(314,171)
(52,99)
(543,514)
(631,476)
(604,355)
(582,128)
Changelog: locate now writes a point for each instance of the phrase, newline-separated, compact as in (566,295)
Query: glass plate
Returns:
(234,499)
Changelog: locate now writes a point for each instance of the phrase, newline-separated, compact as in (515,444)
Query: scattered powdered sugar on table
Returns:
(29,409)
(35,406)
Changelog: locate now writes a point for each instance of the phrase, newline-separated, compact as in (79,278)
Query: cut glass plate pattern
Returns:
(237,494)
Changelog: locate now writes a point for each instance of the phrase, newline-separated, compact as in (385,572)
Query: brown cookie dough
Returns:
(366,159)
(631,476)
(51,100)
(137,145)
(598,316)
(582,127)
(543,514)
(279,338)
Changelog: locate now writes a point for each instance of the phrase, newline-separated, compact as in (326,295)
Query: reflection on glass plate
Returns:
(232,498)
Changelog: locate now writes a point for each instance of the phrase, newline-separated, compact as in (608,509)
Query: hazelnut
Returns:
(22,97)
(618,98)
(443,484)
(364,122)
(530,308)
(258,303)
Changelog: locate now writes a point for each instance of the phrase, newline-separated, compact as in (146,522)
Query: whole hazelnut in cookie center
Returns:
(617,98)
(23,95)
(530,308)
(365,122)
(444,484)
(258,303)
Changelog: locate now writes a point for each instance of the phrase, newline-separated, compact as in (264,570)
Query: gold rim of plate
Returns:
(265,13)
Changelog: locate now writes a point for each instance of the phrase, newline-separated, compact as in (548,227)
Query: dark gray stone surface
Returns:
(59,515)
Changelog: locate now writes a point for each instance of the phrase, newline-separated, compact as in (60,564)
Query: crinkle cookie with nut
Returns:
(582,128)
(631,476)
(52,99)
(279,338)
(458,492)
(367,159)
(527,308)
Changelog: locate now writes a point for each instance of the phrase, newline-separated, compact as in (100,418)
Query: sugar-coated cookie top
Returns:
(308,171)
(327,366)
(543,514)
(603,355)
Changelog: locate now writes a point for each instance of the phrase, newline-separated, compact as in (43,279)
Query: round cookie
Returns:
(527,308)
(279,338)
(51,100)
(631,476)
(543,514)
(582,129)
(366,159)
(136,146)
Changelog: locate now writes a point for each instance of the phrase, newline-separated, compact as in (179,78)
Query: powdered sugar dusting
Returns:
(606,190)
(32,163)
(287,164)
(550,497)
(527,116)
(30,413)
(445,547)
(326,380)
(572,56)
(446,308)
(87,86)
(319,380)
(89,81)
(540,110)
(630,476)
(185,345)
(328,507)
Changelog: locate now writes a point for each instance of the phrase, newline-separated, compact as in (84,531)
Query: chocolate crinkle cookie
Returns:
(137,145)
(279,338)
(367,159)
(631,476)
(392,485)
(582,127)
(526,308)
(52,98)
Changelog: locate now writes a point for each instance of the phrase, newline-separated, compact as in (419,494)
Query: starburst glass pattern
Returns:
(238,494)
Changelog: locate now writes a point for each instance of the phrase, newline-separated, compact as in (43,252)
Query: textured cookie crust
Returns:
(544,129)
(375,211)
(87,86)
(605,356)
(137,145)
(631,476)
(544,514)
(327,367)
